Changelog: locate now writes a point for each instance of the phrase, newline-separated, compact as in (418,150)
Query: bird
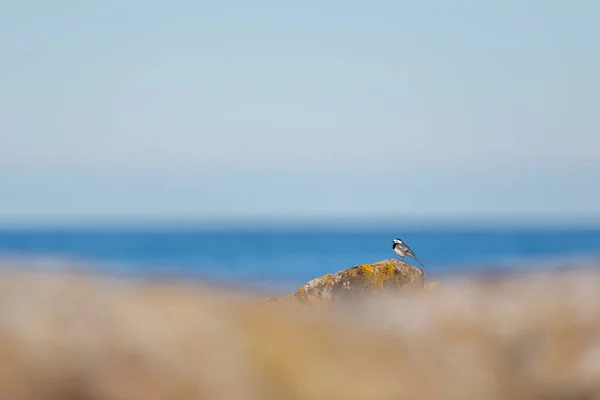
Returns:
(403,250)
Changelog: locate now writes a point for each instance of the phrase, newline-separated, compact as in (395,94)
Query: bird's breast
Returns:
(399,251)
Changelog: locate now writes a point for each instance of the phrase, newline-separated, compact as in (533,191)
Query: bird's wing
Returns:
(407,250)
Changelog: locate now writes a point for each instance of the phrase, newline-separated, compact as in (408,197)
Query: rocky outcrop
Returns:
(360,280)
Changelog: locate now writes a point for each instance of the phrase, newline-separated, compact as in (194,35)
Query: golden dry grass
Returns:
(72,337)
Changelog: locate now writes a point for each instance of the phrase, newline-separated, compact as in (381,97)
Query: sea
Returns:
(280,259)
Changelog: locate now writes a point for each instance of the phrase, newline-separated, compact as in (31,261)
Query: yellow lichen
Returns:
(367,268)
(382,274)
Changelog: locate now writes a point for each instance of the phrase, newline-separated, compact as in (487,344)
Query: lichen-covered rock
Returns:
(361,280)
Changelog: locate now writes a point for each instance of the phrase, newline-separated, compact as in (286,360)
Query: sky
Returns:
(196,110)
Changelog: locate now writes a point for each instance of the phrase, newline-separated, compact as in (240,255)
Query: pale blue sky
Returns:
(190,109)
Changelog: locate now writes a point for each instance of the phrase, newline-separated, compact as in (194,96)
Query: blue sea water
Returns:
(289,257)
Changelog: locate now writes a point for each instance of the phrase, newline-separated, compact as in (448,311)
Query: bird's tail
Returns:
(415,257)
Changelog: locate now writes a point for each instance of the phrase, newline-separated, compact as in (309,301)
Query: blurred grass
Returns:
(78,337)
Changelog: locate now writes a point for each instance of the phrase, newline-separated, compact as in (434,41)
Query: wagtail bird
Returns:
(403,250)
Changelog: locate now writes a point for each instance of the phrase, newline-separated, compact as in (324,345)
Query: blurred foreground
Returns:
(72,336)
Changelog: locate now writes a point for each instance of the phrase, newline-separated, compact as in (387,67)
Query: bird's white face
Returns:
(397,241)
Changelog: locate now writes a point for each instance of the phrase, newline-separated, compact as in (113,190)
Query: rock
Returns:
(359,281)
